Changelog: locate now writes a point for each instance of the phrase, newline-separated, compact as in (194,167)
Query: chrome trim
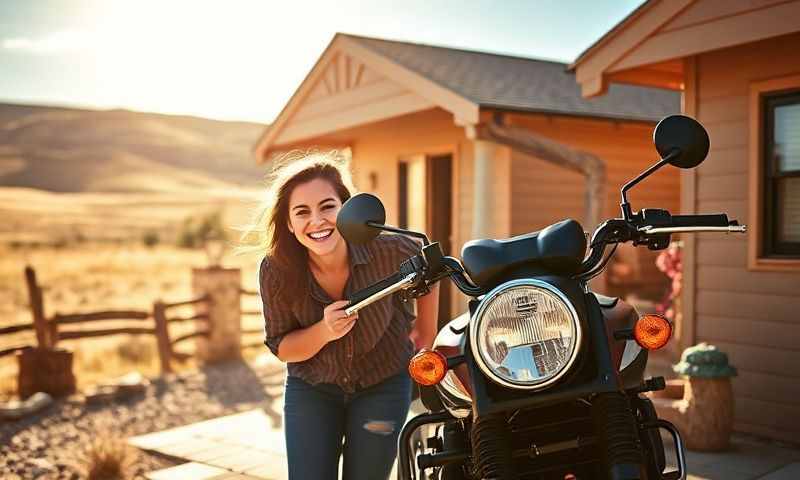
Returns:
(475,323)
(632,350)
(680,453)
(650,230)
(400,285)
(455,401)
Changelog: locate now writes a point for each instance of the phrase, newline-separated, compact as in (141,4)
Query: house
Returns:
(465,144)
(738,66)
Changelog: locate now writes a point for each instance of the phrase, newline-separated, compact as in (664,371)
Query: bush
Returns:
(150,238)
(108,457)
(196,232)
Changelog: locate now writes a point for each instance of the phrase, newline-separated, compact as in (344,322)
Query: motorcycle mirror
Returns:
(360,218)
(682,139)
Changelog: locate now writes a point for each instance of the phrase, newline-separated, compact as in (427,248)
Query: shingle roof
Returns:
(517,83)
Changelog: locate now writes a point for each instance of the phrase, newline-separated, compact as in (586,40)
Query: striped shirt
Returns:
(377,347)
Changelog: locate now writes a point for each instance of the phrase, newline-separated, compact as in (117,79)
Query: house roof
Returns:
(464,82)
(517,83)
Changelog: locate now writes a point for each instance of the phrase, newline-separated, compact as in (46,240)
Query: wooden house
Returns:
(738,66)
(465,144)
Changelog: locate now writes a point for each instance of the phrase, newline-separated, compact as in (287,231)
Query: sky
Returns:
(242,60)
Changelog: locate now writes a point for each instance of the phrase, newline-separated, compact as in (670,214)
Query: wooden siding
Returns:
(543,193)
(751,315)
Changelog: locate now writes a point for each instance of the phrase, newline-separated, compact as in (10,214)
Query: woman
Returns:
(347,375)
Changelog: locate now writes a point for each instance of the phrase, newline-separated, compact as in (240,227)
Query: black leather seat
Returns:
(559,249)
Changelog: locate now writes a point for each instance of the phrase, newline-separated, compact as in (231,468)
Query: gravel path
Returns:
(51,443)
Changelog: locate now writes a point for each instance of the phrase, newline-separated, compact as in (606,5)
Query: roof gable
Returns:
(648,46)
(350,85)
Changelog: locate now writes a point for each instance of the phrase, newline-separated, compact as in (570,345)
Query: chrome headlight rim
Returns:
(478,355)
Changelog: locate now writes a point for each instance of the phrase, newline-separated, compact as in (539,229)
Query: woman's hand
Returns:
(335,322)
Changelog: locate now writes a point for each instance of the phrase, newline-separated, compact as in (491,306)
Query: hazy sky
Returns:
(243,59)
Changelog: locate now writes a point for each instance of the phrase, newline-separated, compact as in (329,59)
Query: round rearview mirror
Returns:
(354,215)
(684,135)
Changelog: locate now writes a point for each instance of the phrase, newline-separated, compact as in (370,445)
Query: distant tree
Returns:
(196,232)
(150,238)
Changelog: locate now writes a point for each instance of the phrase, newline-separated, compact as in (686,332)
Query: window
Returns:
(781,150)
(773,238)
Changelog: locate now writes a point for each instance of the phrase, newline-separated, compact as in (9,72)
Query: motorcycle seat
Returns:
(558,249)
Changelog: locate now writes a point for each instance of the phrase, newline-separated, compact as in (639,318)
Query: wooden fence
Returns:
(49,331)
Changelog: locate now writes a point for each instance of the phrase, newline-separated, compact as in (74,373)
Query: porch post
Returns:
(483,206)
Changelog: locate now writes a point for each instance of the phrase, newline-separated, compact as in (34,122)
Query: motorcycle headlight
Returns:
(525,334)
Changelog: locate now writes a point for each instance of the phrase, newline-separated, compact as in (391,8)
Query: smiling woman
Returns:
(347,375)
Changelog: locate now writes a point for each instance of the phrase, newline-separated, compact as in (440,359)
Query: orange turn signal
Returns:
(428,367)
(652,331)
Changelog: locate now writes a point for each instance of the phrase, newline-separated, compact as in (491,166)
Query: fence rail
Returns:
(20,327)
(203,299)
(73,335)
(62,319)
(13,350)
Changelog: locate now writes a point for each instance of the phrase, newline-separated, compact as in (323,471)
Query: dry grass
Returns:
(108,457)
(101,276)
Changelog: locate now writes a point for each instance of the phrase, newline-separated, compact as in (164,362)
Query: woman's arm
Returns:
(426,328)
(303,343)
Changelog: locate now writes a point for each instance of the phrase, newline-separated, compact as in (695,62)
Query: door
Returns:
(439,193)
(425,203)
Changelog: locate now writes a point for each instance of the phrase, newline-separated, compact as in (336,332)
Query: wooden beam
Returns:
(525,141)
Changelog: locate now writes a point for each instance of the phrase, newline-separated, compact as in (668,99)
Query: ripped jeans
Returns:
(318,417)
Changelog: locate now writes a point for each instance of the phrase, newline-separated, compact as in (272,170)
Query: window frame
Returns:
(763,252)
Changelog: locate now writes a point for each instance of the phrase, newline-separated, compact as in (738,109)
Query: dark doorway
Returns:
(439,195)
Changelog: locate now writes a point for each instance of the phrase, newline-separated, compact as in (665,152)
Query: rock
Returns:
(16,409)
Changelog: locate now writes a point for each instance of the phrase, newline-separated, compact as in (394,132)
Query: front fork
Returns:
(620,440)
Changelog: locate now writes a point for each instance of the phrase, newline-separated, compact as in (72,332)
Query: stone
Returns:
(16,409)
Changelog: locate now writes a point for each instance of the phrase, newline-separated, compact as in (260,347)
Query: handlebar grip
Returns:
(362,295)
(718,220)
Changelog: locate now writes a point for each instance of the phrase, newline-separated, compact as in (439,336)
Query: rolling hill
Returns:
(69,174)
(72,150)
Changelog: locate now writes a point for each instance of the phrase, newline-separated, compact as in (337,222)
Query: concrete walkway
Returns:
(247,446)
(748,459)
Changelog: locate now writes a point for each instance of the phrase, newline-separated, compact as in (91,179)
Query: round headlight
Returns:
(525,334)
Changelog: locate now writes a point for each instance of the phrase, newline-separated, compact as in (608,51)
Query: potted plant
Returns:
(704,415)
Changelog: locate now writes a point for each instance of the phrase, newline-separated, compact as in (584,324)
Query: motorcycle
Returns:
(542,378)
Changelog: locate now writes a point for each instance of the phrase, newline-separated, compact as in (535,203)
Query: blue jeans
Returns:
(318,417)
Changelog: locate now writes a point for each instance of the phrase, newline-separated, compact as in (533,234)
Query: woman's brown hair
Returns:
(270,232)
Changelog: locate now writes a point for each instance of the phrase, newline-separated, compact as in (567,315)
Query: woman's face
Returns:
(313,207)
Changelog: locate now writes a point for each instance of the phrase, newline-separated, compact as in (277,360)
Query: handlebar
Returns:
(381,289)
(651,227)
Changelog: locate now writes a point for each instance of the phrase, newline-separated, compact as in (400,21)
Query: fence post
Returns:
(162,336)
(37,309)
(223,286)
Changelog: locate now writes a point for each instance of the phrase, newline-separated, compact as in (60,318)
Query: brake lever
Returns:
(651,230)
